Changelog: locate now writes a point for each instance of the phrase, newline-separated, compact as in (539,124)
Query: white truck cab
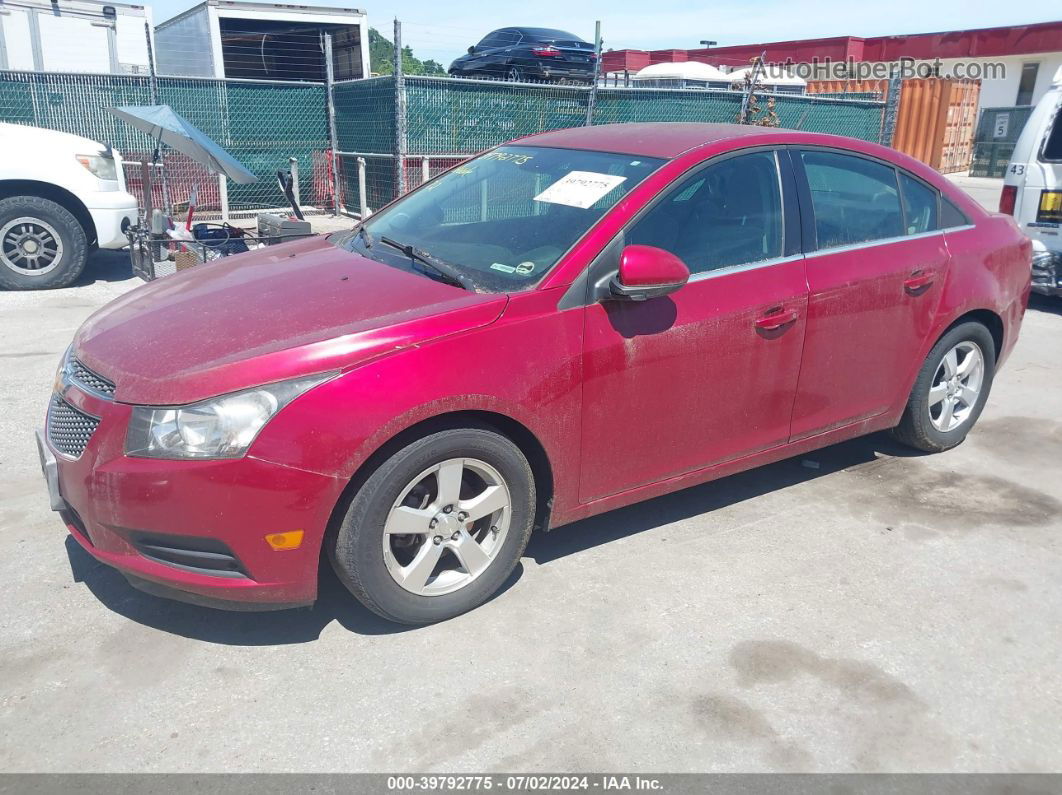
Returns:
(1032,188)
(61,196)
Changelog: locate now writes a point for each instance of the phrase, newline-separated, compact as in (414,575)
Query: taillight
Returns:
(1008,198)
(546,52)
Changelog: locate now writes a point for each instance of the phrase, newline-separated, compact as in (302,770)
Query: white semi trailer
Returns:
(74,36)
(262,41)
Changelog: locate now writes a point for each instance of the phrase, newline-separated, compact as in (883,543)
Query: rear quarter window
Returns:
(950,215)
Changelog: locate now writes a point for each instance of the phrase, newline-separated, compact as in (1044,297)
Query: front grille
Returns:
(90,380)
(199,555)
(69,430)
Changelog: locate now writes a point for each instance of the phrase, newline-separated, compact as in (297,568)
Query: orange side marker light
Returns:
(282,541)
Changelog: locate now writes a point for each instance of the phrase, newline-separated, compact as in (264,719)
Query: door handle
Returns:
(775,319)
(918,281)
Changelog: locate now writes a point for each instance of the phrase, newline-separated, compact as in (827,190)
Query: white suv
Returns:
(60,197)
(1032,188)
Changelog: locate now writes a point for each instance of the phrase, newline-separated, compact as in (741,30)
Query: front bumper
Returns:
(112,213)
(166,524)
(1046,270)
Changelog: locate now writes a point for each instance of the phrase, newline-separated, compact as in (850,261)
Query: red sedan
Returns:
(564,325)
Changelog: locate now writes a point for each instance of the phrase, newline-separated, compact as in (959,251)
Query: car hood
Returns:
(279,312)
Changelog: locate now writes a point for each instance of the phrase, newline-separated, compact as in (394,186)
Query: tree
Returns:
(382,58)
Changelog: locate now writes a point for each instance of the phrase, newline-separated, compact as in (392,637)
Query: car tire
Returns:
(416,578)
(30,228)
(515,75)
(947,399)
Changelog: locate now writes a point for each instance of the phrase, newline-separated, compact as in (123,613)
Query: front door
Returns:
(708,373)
(874,284)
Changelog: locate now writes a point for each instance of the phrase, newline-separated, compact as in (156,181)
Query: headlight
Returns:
(101,166)
(63,370)
(221,427)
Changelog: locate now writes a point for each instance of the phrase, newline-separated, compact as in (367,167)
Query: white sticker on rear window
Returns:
(579,189)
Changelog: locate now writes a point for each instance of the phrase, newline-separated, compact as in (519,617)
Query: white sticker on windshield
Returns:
(579,189)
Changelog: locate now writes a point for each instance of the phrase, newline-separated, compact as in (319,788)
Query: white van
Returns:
(1032,188)
(61,196)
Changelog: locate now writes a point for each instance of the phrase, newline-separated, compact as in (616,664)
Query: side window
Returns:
(950,215)
(919,204)
(490,41)
(855,199)
(729,213)
(1053,140)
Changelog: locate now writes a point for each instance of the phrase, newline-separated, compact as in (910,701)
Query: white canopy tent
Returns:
(682,74)
(772,77)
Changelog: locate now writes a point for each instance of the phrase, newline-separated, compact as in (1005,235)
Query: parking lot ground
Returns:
(861,608)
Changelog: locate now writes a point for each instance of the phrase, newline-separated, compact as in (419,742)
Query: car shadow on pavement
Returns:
(105,266)
(334,603)
(614,525)
(1046,303)
(236,628)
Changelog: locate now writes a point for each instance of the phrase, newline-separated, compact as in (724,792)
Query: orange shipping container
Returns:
(935,119)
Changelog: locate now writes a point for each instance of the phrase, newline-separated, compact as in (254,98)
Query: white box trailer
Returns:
(74,36)
(262,41)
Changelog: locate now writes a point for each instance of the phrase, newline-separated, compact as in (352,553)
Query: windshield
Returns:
(502,220)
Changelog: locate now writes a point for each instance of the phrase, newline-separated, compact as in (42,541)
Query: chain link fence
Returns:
(448,119)
(997,133)
(262,123)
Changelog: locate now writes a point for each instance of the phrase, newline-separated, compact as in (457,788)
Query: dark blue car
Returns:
(529,54)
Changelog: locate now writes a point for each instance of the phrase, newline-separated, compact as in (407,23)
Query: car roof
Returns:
(671,139)
(548,32)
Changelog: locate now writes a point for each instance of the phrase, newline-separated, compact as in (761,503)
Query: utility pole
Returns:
(591,100)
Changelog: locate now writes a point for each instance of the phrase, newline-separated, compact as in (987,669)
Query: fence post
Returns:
(400,114)
(743,116)
(293,167)
(363,201)
(332,142)
(223,194)
(892,107)
(591,100)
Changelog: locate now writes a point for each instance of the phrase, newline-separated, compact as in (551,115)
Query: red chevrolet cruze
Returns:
(564,325)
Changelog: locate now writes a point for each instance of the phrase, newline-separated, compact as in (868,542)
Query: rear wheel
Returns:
(438,527)
(42,245)
(950,391)
(515,74)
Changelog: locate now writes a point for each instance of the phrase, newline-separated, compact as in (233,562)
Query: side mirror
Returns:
(647,272)
(471,50)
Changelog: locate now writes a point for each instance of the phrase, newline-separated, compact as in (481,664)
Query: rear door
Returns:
(876,262)
(709,373)
(491,55)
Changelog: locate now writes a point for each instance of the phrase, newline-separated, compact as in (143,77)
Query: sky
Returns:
(444,30)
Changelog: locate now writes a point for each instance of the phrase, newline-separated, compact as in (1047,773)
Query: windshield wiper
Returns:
(444,269)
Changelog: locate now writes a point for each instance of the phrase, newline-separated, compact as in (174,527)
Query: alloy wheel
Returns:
(956,386)
(30,247)
(447,526)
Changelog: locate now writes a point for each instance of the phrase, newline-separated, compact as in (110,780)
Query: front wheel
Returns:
(42,245)
(437,528)
(950,391)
